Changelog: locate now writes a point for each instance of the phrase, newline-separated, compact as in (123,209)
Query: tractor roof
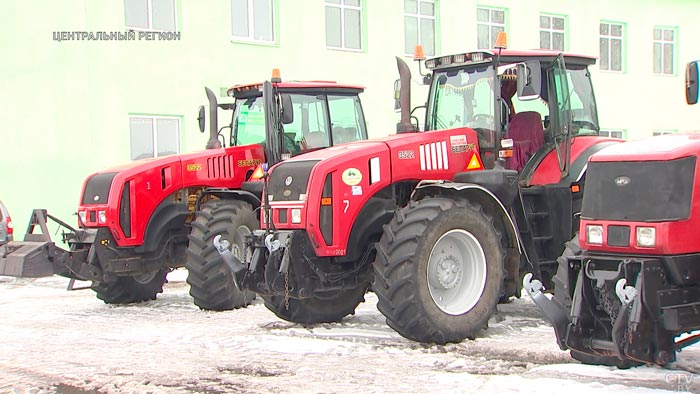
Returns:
(507,56)
(664,147)
(314,86)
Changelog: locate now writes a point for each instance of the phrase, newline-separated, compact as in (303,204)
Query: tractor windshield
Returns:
(464,98)
(318,121)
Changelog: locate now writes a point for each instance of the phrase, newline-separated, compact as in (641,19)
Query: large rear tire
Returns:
(329,307)
(439,270)
(131,289)
(210,278)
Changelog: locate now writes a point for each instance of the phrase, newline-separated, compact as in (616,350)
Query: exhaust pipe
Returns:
(404,125)
(213,142)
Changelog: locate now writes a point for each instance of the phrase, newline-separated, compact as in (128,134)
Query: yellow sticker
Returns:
(194,167)
(352,176)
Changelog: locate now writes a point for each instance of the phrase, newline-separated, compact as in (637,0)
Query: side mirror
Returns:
(201,118)
(287,110)
(691,83)
(529,76)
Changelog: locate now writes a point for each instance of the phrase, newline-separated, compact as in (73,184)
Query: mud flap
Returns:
(555,313)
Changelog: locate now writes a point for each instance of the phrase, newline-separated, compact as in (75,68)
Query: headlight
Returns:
(296,215)
(83,216)
(646,237)
(102,217)
(594,234)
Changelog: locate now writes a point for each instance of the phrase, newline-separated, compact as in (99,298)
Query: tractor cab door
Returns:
(560,130)
(273,139)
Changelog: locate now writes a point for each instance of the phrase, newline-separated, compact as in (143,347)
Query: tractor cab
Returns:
(522,104)
(289,118)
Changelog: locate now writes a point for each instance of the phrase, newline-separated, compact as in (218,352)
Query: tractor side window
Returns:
(310,127)
(249,124)
(347,121)
(583,108)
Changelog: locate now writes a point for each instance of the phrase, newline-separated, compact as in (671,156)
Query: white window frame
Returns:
(251,25)
(491,24)
(342,6)
(149,12)
(154,131)
(663,42)
(656,133)
(610,37)
(613,133)
(419,17)
(551,30)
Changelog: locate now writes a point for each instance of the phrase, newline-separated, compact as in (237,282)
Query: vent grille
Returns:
(220,166)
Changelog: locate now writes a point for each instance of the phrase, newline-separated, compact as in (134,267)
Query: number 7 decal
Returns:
(347,205)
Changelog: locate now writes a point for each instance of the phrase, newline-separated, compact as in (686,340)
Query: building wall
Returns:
(65,105)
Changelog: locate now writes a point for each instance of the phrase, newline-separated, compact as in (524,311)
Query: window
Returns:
(310,127)
(552,32)
(252,20)
(611,46)
(419,25)
(489,22)
(664,50)
(150,14)
(153,136)
(344,24)
(662,132)
(613,133)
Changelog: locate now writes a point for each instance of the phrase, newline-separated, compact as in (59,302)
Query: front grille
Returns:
(618,236)
(648,191)
(220,167)
(289,180)
(97,188)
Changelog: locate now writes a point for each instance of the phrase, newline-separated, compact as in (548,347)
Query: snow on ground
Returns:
(57,341)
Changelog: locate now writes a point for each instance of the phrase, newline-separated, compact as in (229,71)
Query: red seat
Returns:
(527,133)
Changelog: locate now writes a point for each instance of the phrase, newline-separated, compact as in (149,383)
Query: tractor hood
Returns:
(660,148)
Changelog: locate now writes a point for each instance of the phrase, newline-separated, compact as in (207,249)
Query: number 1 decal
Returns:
(347,205)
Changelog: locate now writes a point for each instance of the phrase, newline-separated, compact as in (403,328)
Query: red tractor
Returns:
(142,219)
(627,287)
(438,223)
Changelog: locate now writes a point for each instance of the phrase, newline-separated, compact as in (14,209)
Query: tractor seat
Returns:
(315,140)
(527,133)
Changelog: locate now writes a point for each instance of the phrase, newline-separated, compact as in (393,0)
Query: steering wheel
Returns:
(483,120)
(290,143)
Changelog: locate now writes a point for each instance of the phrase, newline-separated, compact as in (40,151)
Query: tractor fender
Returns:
(231,194)
(476,193)
(168,216)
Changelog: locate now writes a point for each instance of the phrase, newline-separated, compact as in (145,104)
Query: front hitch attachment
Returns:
(222,246)
(556,313)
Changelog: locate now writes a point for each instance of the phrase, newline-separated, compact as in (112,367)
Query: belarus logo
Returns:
(622,181)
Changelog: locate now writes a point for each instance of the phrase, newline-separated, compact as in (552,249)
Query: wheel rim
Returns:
(238,244)
(145,278)
(456,272)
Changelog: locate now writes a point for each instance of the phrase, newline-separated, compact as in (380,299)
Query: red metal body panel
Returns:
(381,162)
(672,238)
(664,147)
(547,172)
(153,180)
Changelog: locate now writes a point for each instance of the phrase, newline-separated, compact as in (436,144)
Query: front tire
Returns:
(439,270)
(327,307)
(209,277)
(131,289)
